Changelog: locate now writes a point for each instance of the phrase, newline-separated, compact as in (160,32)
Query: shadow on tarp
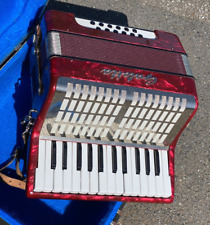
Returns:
(32,211)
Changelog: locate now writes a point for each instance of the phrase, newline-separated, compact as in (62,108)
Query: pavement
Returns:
(189,19)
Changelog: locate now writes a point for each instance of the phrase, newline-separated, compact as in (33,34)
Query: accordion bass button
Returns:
(119,174)
(94,173)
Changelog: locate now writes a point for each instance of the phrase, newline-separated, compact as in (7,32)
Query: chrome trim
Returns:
(55,122)
(186,64)
(52,44)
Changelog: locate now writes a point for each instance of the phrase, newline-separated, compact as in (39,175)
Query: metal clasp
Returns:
(28,122)
(37,39)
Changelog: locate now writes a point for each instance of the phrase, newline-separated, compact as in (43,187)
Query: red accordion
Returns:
(116,99)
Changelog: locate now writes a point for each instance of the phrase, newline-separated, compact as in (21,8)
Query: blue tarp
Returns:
(17,20)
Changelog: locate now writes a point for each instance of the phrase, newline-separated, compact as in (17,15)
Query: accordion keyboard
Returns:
(82,168)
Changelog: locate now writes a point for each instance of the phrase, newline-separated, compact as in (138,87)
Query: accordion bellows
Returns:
(116,101)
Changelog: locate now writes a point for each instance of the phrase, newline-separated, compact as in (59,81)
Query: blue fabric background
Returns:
(17,18)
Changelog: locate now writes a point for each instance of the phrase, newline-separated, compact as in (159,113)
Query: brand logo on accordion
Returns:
(149,79)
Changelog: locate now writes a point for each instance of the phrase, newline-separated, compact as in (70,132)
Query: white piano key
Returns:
(119,174)
(103,175)
(58,172)
(128,176)
(135,177)
(40,170)
(110,174)
(48,186)
(143,176)
(84,183)
(75,172)
(67,174)
(166,177)
(151,176)
(159,179)
(94,173)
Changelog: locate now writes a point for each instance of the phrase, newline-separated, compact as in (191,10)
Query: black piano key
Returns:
(147,162)
(114,159)
(64,158)
(100,159)
(90,158)
(79,156)
(53,155)
(137,157)
(124,160)
(157,163)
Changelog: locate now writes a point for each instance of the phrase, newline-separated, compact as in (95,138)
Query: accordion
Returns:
(113,104)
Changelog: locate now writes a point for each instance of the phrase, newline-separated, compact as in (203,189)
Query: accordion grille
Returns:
(101,112)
